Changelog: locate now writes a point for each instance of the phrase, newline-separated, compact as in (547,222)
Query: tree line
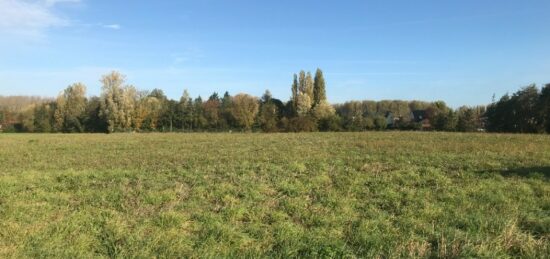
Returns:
(121,107)
(525,111)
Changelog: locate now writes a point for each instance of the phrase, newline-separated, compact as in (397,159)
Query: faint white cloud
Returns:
(30,18)
(112,26)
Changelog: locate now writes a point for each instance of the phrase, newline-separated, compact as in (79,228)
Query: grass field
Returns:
(387,194)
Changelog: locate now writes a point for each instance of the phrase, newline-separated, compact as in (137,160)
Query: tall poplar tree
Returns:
(117,102)
(319,92)
(309,86)
(71,105)
(304,98)
(302,82)
(294,93)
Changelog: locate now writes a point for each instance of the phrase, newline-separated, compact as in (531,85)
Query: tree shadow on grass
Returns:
(526,172)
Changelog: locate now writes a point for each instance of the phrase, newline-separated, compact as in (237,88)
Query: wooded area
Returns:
(123,108)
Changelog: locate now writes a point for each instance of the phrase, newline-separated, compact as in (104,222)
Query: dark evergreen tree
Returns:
(212,112)
(44,117)
(214,97)
(445,121)
(466,120)
(226,120)
(169,115)
(266,97)
(199,121)
(159,94)
(93,122)
(186,112)
(268,116)
(499,115)
(526,116)
(544,107)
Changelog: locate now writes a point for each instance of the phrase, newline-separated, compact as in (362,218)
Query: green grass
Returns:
(388,194)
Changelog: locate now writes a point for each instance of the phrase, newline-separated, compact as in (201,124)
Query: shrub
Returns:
(331,123)
(302,124)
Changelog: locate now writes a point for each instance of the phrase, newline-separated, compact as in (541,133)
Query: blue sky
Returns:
(459,51)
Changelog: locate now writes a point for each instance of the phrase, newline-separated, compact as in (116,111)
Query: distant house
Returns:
(389,120)
(392,121)
(483,121)
(421,117)
(7,125)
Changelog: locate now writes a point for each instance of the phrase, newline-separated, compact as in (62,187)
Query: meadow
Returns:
(374,194)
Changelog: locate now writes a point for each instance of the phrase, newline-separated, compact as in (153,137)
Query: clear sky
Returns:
(459,51)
